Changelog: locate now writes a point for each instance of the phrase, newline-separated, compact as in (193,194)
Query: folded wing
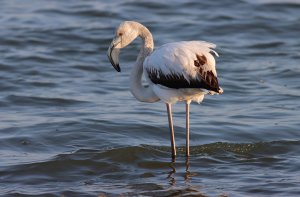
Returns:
(183,65)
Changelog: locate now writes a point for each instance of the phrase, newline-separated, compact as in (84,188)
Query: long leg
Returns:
(173,146)
(187,145)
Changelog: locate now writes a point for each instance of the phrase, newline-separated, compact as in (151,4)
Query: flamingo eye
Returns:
(120,34)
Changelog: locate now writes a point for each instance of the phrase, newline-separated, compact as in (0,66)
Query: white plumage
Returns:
(177,59)
(180,71)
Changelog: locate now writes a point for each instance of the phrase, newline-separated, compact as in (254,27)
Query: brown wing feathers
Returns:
(208,76)
(208,80)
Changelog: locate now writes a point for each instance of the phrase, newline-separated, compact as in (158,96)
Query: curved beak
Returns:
(113,53)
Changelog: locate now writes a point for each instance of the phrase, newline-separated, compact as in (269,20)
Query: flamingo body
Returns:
(182,71)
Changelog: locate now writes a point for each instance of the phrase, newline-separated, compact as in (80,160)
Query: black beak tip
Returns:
(117,67)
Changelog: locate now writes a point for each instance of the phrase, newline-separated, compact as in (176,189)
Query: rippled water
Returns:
(70,127)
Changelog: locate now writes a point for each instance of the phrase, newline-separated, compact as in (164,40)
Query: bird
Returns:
(181,71)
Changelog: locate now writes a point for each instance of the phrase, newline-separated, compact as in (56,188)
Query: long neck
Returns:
(144,94)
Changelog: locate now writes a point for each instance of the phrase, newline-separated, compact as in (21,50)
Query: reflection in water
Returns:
(172,174)
(187,175)
(187,185)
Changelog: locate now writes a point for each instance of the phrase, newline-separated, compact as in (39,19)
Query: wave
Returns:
(291,3)
(90,170)
(42,101)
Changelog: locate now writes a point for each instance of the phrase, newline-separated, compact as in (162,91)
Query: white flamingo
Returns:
(179,71)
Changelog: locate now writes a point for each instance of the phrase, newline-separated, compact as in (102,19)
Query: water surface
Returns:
(69,125)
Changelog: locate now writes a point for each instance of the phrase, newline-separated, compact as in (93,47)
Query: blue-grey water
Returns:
(70,127)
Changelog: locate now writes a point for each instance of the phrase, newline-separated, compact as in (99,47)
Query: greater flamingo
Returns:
(179,71)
